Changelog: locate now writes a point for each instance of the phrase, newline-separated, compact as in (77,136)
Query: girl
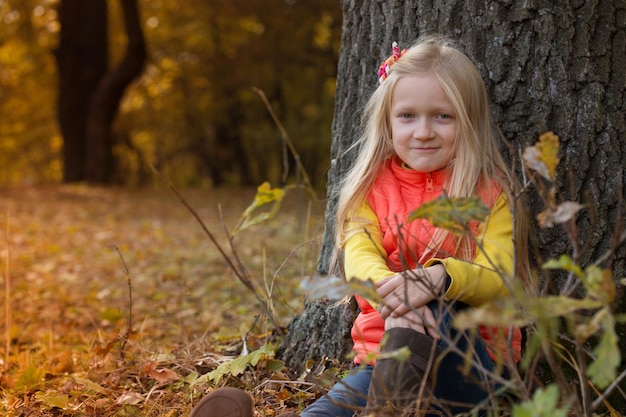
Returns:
(427,133)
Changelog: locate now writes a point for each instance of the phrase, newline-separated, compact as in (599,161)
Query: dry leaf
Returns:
(543,157)
(130,398)
(160,375)
(563,213)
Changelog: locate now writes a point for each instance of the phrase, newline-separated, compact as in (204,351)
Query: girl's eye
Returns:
(406,115)
(444,116)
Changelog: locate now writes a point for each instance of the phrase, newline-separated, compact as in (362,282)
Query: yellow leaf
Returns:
(264,195)
(543,157)
(600,284)
(566,263)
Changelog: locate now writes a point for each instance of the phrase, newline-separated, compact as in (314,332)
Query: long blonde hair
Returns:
(477,161)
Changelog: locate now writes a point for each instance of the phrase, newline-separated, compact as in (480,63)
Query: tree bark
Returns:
(106,99)
(82,61)
(89,94)
(547,65)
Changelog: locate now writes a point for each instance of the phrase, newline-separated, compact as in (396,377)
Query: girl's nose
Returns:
(423,129)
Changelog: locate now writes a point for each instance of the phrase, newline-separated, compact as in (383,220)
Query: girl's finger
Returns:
(382,282)
(400,310)
(431,324)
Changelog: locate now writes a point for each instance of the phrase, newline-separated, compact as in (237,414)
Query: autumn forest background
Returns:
(167,178)
(115,301)
(191,112)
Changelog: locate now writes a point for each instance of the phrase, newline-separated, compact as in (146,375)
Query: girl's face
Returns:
(423,123)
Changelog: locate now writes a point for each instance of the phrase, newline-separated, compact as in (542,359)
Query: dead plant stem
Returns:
(286,139)
(239,269)
(7,298)
(129,328)
(615,384)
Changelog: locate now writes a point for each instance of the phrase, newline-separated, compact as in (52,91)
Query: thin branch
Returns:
(285,137)
(232,266)
(608,391)
(129,328)
(240,273)
(7,298)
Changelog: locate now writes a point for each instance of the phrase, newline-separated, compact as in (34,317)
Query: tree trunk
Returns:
(82,61)
(89,96)
(106,99)
(548,66)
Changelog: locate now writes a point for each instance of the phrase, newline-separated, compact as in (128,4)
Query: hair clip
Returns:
(385,68)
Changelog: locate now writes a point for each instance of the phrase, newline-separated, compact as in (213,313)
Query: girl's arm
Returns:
(365,259)
(482,279)
(364,256)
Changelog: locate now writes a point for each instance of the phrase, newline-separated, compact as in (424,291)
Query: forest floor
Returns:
(116,303)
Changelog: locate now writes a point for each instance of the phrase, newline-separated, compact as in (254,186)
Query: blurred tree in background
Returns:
(30,144)
(193,113)
(89,90)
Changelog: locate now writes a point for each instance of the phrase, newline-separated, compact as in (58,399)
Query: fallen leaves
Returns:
(162,375)
(70,305)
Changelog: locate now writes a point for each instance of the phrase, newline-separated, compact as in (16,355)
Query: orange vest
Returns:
(396,193)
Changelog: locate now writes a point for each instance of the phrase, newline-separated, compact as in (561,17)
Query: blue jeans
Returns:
(451,385)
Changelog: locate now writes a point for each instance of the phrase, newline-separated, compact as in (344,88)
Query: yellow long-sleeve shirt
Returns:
(473,283)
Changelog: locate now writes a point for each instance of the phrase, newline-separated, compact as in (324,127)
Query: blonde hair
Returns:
(477,161)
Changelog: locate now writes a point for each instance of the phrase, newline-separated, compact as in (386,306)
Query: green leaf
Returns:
(566,263)
(89,385)
(52,401)
(604,369)
(559,306)
(508,314)
(452,213)
(274,365)
(543,404)
(30,377)
(239,364)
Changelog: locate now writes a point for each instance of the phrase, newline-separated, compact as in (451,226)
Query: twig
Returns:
(230,263)
(235,254)
(7,299)
(129,327)
(596,403)
(285,137)
(240,271)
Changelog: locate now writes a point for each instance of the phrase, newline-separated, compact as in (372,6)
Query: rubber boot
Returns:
(224,402)
(396,384)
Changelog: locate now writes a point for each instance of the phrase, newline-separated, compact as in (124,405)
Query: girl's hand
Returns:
(410,290)
(421,319)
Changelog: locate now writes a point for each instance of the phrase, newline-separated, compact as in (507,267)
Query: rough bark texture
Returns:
(106,99)
(89,94)
(548,66)
(82,61)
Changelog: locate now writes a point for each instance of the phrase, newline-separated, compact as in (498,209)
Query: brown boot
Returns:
(288,414)
(224,402)
(396,384)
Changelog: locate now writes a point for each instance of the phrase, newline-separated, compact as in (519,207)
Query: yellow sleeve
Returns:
(364,256)
(480,281)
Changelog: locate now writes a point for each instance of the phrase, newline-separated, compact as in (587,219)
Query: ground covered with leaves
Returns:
(116,303)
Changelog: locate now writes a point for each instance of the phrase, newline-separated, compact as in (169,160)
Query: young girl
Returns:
(428,133)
